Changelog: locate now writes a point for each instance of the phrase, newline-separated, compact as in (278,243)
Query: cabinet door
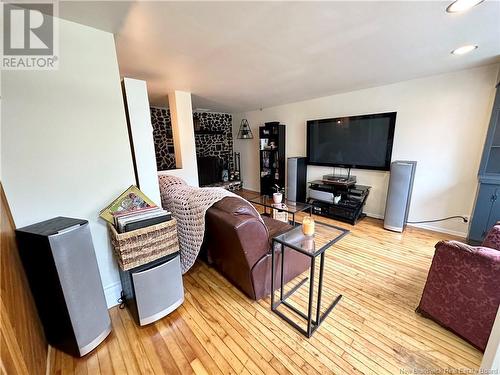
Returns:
(483,212)
(495,210)
(490,161)
(492,157)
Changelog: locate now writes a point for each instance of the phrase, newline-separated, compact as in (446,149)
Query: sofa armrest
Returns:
(461,292)
(234,243)
(235,238)
(492,239)
(467,253)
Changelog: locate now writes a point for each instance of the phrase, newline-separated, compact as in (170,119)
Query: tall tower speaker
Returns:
(399,195)
(296,179)
(59,259)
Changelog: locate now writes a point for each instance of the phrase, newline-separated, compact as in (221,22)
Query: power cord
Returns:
(121,300)
(446,218)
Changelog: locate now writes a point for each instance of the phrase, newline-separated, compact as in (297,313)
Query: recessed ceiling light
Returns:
(464,49)
(462,5)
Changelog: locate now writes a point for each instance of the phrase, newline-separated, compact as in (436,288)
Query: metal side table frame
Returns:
(312,325)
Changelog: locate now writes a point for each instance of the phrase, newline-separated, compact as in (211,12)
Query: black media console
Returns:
(324,193)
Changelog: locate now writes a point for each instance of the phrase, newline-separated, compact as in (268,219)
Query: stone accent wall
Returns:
(214,137)
(162,135)
(219,143)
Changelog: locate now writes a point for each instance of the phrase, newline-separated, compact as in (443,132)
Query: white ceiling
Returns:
(239,56)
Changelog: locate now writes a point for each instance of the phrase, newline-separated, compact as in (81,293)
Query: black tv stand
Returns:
(350,206)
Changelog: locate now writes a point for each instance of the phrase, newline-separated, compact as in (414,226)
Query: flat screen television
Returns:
(363,142)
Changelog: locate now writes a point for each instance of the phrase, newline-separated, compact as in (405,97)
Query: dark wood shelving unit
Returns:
(272,157)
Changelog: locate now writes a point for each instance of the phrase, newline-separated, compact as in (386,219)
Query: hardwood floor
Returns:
(373,330)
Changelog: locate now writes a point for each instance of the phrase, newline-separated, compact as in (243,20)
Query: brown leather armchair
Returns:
(238,245)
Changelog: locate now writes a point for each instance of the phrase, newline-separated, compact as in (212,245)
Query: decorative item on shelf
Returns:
(245,132)
(308,226)
(265,160)
(263,144)
(236,161)
(278,195)
(231,175)
(225,175)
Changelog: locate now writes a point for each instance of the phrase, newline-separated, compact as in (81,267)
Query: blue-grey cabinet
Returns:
(486,211)
(487,207)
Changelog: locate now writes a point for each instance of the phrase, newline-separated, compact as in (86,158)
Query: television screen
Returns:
(353,142)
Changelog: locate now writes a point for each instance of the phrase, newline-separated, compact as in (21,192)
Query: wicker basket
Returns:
(144,245)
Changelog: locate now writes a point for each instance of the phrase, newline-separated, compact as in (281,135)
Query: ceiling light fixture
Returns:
(459,6)
(464,49)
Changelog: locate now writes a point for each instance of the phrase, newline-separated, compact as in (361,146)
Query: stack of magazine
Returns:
(132,210)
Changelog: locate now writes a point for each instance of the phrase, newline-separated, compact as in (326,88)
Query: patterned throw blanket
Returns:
(188,205)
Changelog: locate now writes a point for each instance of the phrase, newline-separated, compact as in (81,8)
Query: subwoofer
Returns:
(397,206)
(60,263)
(296,179)
(153,290)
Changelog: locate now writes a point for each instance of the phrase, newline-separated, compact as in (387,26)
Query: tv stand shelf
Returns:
(348,209)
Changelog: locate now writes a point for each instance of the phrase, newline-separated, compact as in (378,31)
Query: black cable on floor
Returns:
(435,220)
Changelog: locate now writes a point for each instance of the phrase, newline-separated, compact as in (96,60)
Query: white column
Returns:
(491,358)
(181,115)
(141,135)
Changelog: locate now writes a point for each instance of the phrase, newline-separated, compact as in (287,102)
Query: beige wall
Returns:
(65,146)
(441,123)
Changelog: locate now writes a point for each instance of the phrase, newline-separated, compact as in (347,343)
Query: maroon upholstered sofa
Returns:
(238,245)
(462,292)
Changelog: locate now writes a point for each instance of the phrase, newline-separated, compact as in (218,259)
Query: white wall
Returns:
(441,123)
(65,146)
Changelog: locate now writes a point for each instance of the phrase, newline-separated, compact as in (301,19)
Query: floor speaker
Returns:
(59,259)
(296,179)
(399,195)
(153,290)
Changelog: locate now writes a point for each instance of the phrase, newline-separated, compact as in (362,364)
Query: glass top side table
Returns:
(324,238)
(291,207)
